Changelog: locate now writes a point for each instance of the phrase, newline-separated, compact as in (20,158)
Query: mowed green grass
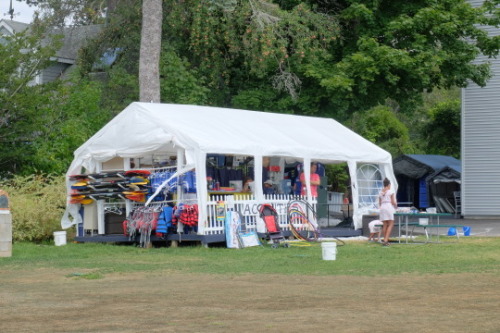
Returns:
(470,254)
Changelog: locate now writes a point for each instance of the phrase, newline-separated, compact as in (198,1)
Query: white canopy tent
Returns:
(191,132)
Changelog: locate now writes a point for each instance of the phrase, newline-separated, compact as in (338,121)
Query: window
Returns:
(369,185)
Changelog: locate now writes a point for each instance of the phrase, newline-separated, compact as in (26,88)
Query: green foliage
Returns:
(255,98)
(73,116)
(121,35)
(51,122)
(37,205)
(23,125)
(320,58)
(215,50)
(418,122)
(398,50)
(121,89)
(79,12)
(256,35)
(338,177)
(179,83)
(23,118)
(381,126)
(442,132)
(23,56)
(304,57)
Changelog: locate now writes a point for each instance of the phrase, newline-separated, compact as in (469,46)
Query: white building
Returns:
(481,142)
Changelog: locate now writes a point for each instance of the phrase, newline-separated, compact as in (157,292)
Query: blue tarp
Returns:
(418,166)
(438,162)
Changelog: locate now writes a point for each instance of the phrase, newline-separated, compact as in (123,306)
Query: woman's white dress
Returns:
(387,210)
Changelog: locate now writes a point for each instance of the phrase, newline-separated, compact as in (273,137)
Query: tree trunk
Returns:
(149,59)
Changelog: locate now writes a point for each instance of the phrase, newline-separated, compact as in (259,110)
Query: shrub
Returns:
(37,203)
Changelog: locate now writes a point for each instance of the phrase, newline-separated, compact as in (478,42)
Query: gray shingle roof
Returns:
(16,26)
(74,38)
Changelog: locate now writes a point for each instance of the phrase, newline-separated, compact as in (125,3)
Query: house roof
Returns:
(418,166)
(74,38)
(14,26)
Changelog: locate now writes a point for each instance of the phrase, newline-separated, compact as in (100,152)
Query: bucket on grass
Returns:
(466,231)
(452,231)
(60,238)
(329,250)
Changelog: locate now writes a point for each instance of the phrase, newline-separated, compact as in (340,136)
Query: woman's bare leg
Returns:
(384,228)
(388,230)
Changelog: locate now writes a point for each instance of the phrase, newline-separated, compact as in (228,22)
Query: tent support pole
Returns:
(100,209)
(357,216)
(306,169)
(258,191)
(180,165)
(201,190)
(128,204)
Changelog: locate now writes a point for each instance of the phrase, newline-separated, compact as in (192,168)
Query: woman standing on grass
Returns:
(387,204)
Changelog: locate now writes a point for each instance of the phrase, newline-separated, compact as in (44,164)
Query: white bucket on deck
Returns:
(60,238)
(329,250)
(423,221)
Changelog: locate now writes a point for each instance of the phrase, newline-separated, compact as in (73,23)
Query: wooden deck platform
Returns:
(203,239)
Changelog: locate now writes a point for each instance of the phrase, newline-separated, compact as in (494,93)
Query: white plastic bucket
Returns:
(423,221)
(329,250)
(60,238)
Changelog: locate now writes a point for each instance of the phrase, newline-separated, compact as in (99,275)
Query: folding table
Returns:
(403,219)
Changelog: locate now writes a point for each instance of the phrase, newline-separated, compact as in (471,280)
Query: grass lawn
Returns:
(354,258)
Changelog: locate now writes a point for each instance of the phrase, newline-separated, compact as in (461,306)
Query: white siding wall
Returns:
(481,143)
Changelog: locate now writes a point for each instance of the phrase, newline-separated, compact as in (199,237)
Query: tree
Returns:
(149,58)
(72,114)
(399,49)
(340,59)
(73,12)
(23,56)
(324,58)
(442,132)
(227,48)
(84,12)
(418,121)
(381,126)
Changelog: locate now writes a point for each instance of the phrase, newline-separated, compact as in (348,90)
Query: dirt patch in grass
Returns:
(64,301)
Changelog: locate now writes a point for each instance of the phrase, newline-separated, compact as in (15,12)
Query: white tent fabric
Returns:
(142,129)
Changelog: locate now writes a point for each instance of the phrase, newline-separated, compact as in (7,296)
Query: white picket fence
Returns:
(248,208)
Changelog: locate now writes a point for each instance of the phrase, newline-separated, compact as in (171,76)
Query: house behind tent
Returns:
(64,60)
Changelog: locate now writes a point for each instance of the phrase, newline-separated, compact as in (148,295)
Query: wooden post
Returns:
(5,226)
